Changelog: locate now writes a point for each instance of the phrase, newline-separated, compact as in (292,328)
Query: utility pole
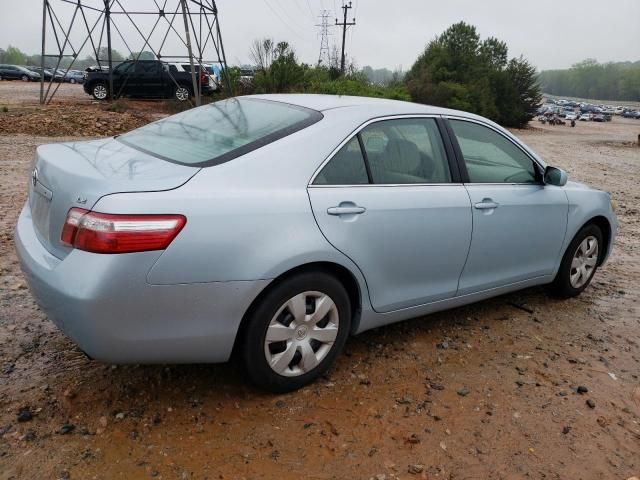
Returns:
(344,26)
(324,38)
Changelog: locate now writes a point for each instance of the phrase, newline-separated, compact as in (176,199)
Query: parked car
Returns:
(18,72)
(74,76)
(585,117)
(47,74)
(631,114)
(212,81)
(276,226)
(145,78)
(619,110)
(599,117)
(571,116)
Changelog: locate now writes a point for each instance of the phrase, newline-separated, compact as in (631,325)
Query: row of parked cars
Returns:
(586,111)
(35,74)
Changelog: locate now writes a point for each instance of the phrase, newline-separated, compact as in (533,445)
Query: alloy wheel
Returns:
(301,333)
(100,92)
(182,94)
(584,262)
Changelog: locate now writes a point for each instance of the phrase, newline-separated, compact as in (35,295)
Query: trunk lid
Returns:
(77,174)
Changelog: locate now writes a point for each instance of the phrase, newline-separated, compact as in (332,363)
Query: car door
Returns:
(391,200)
(148,79)
(519,223)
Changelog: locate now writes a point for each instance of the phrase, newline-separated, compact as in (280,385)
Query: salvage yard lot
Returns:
(481,392)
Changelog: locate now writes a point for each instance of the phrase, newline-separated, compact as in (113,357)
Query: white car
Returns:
(585,117)
(571,116)
(214,82)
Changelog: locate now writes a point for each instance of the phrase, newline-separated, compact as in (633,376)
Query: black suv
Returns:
(16,72)
(145,78)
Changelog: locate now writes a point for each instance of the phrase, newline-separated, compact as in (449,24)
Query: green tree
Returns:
(14,56)
(458,70)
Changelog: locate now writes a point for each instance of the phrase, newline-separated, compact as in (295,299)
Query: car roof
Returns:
(322,103)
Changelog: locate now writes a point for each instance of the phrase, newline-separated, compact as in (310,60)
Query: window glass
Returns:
(490,157)
(123,68)
(345,168)
(220,131)
(146,67)
(406,151)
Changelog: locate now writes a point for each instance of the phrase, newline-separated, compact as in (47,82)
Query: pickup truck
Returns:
(146,78)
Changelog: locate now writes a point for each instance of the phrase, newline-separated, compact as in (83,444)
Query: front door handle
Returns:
(351,210)
(486,204)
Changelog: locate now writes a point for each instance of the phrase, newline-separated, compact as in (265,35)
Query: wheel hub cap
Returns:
(301,333)
(584,262)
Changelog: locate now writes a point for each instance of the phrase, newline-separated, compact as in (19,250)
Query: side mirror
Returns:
(555,176)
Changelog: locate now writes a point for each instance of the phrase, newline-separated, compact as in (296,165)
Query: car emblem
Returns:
(34,177)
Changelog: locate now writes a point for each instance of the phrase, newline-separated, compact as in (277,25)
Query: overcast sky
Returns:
(550,33)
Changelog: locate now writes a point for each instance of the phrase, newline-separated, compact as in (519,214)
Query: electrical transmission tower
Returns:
(344,24)
(323,58)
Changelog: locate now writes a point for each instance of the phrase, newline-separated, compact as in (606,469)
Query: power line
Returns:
(283,21)
(344,24)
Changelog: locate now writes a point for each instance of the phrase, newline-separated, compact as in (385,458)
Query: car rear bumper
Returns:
(105,305)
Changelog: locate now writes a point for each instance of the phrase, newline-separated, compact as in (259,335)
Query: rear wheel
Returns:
(296,331)
(99,91)
(72,80)
(579,263)
(182,93)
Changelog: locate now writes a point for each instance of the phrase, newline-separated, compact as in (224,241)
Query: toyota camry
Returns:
(274,227)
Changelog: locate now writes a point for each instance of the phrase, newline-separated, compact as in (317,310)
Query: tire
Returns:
(294,341)
(571,281)
(182,93)
(100,91)
(24,78)
(72,81)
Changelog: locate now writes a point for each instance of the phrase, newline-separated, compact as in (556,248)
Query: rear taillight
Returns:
(109,233)
(203,77)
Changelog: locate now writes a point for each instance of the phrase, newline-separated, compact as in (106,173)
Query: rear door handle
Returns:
(353,210)
(486,204)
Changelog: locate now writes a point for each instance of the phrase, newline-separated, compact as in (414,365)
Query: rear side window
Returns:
(221,131)
(406,151)
(345,168)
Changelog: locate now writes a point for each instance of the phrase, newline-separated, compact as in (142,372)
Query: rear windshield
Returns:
(221,131)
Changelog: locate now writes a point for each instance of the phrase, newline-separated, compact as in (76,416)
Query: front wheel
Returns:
(24,78)
(296,331)
(182,93)
(99,91)
(72,81)
(579,263)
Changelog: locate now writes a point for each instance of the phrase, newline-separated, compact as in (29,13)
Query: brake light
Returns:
(203,77)
(109,233)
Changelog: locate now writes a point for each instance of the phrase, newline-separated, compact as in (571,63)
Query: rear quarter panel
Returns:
(247,219)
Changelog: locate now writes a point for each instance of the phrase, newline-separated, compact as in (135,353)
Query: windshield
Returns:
(221,131)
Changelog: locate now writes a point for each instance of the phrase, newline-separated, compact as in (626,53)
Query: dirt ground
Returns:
(488,391)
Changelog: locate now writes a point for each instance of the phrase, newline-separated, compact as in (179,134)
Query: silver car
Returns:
(275,226)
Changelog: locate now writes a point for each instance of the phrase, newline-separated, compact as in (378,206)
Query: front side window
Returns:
(220,131)
(405,151)
(490,157)
(345,168)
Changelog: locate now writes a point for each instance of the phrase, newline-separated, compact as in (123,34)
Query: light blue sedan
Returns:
(275,226)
